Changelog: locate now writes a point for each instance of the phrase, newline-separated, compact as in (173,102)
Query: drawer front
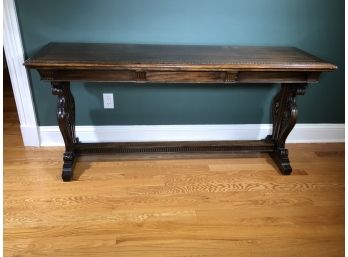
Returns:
(185,76)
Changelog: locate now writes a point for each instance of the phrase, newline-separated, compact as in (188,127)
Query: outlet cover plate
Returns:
(108,100)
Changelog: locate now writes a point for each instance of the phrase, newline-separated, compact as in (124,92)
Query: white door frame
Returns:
(19,78)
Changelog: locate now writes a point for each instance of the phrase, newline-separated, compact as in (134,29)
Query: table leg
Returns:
(284,114)
(66,122)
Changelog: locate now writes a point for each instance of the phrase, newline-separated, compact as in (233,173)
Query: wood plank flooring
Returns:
(172,205)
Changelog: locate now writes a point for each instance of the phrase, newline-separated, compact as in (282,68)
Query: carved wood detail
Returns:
(174,147)
(284,114)
(231,76)
(66,123)
(140,76)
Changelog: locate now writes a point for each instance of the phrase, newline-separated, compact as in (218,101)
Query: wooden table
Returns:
(61,63)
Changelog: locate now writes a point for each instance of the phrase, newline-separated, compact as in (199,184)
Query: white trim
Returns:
(19,77)
(30,135)
(302,133)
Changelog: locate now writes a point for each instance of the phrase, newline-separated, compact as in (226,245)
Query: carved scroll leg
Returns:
(66,122)
(284,112)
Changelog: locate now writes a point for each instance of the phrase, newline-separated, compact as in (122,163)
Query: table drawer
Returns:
(185,76)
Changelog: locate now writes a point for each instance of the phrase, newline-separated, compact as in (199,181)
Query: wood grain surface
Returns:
(177,205)
(180,57)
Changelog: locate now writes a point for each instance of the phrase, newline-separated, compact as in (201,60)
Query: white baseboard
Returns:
(30,135)
(302,133)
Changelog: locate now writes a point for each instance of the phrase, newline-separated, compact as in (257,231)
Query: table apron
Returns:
(160,76)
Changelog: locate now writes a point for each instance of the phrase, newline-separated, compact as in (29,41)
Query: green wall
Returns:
(316,26)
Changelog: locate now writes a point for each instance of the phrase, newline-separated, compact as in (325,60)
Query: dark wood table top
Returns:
(176,57)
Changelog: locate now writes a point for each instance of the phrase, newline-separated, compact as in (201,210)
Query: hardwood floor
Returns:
(191,205)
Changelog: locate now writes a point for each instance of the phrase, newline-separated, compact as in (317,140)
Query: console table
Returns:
(61,63)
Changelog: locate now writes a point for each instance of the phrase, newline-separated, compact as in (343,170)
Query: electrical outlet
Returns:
(108,99)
